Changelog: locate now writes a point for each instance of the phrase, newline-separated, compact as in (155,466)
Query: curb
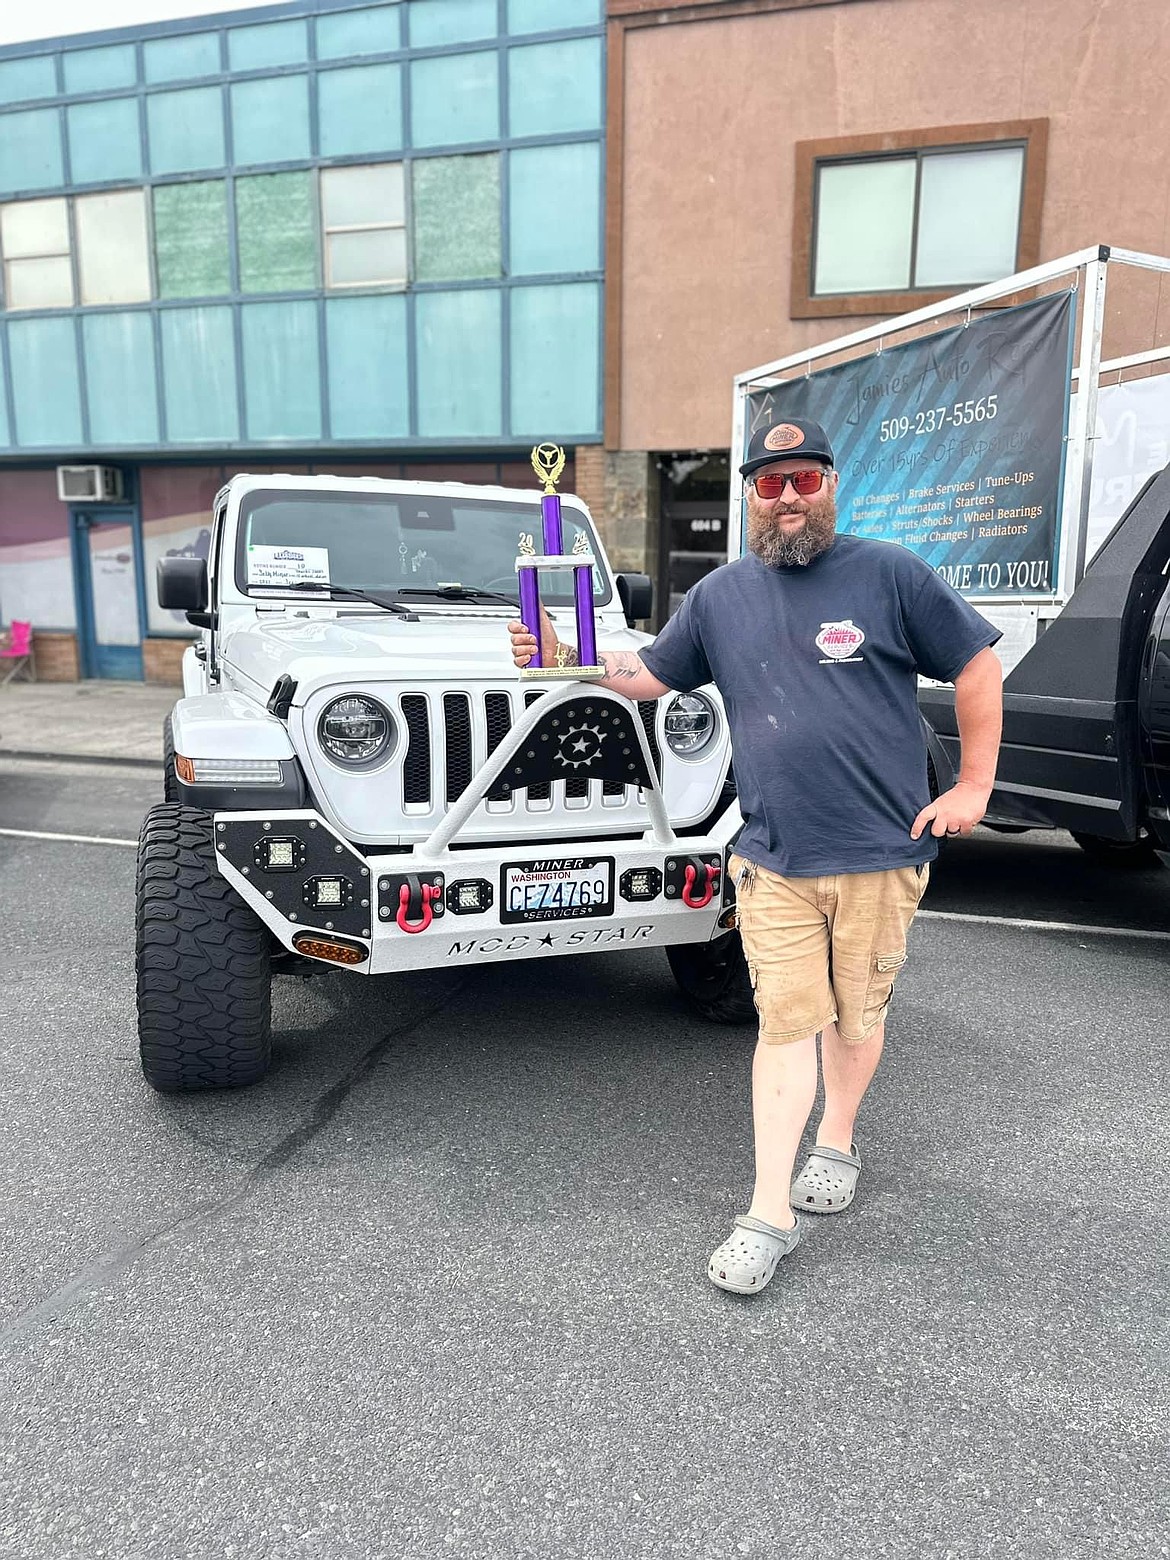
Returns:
(82,758)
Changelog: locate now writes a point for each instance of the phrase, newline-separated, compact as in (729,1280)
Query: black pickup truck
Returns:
(1086,740)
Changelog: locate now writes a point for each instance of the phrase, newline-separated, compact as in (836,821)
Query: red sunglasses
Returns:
(771,484)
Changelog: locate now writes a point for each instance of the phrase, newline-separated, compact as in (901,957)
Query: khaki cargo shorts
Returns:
(824,949)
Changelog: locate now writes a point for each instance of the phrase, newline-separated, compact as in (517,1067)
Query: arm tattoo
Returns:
(622,663)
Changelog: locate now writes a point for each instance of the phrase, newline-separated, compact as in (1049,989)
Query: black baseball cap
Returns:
(786,438)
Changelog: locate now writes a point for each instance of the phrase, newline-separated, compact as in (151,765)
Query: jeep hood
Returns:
(325,651)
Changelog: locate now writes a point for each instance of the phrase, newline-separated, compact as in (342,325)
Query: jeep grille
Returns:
(460,758)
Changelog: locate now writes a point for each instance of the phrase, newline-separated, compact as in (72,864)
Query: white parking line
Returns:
(1042,926)
(71,839)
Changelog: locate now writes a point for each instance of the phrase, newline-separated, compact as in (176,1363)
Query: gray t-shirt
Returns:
(818,670)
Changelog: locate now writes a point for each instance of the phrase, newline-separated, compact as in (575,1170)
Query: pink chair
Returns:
(16,653)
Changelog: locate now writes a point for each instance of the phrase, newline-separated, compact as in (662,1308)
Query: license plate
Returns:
(556,890)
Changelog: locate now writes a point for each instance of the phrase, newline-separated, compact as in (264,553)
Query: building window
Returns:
(34,240)
(887,223)
(363,217)
(112,250)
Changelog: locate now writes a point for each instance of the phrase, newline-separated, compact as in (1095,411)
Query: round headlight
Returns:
(690,724)
(356,730)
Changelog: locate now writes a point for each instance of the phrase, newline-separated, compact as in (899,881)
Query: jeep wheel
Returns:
(204,973)
(714,979)
(170,779)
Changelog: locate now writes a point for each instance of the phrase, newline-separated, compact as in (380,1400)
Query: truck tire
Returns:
(203,965)
(170,779)
(1130,854)
(714,978)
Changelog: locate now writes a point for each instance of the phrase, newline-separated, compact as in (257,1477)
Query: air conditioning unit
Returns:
(89,484)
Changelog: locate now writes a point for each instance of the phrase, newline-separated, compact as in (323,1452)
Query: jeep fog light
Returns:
(234,771)
(690,724)
(356,730)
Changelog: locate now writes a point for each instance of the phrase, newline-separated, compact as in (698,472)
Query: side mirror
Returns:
(182,584)
(636,594)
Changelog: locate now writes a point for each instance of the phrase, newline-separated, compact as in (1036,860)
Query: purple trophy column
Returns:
(530,609)
(550,514)
(586,638)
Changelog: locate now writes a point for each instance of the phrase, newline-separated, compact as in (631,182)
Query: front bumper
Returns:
(303,879)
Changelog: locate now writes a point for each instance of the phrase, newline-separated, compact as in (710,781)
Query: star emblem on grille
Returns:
(580,745)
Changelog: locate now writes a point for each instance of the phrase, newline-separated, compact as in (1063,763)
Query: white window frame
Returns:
(47,254)
(398,283)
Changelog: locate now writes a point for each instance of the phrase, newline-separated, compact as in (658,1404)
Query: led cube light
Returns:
(328,893)
(470,896)
(278,853)
(640,884)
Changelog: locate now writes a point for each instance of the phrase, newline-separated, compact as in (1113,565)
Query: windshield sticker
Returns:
(288,565)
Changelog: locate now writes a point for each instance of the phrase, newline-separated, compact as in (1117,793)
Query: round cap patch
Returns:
(783,437)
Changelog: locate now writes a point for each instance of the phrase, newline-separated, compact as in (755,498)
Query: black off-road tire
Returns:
(1129,855)
(170,779)
(203,964)
(714,979)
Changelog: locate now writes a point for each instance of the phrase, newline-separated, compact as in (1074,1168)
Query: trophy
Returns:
(548,461)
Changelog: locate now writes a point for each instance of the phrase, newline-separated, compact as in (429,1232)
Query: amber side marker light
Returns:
(185,769)
(335,950)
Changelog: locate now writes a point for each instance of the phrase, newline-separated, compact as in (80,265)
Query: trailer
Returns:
(987,453)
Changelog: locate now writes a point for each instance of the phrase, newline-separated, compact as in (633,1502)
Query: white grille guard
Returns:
(497,762)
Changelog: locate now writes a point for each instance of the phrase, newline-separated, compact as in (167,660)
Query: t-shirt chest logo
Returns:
(840,641)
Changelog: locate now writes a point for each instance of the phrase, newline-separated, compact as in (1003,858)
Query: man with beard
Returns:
(815,641)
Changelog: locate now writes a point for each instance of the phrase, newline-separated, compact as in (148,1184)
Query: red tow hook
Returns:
(689,876)
(428,894)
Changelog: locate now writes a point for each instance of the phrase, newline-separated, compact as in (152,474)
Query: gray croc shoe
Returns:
(828,1182)
(748,1257)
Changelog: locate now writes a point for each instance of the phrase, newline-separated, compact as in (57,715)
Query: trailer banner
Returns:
(952,444)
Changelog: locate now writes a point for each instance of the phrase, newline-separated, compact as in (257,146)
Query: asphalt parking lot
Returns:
(437,1286)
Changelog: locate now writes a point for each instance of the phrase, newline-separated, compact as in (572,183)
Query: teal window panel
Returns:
(554,208)
(456,214)
(450,21)
(30,151)
(555,87)
(276,232)
(104,142)
(119,378)
(271,43)
(360,110)
(185,130)
(453,98)
(101,70)
(35,77)
(178,59)
(369,397)
(457,349)
(528,16)
(270,119)
(375,30)
(191,239)
(282,376)
(199,374)
(45,387)
(5,431)
(555,341)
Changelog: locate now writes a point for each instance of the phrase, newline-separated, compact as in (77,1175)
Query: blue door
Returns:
(109,593)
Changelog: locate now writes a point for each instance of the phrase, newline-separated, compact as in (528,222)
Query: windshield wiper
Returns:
(458,593)
(348,593)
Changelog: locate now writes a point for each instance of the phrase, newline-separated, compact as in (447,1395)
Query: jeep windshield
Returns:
(409,542)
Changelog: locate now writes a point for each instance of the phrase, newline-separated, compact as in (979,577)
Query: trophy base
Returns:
(561,673)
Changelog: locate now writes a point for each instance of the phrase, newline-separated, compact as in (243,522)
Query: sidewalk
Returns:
(102,721)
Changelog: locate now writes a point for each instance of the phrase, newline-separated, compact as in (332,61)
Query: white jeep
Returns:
(357,775)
